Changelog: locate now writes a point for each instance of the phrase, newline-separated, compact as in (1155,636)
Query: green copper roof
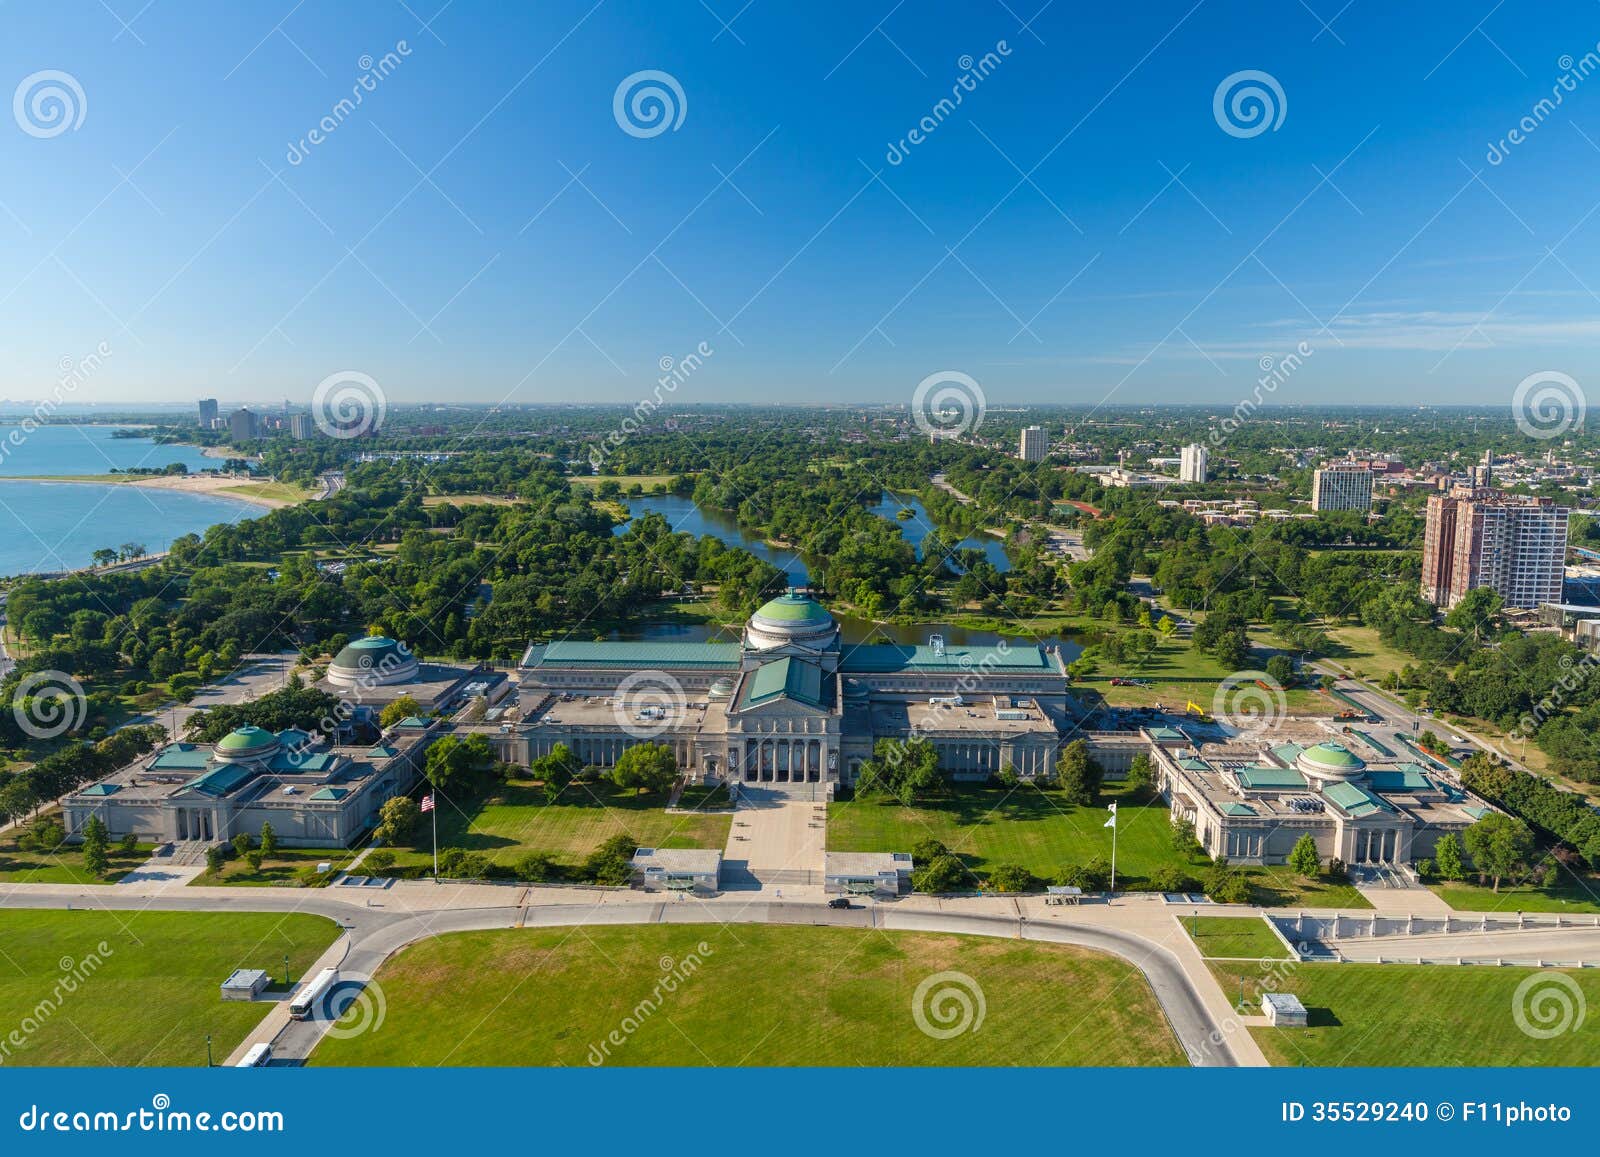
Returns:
(1266,778)
(102,789)
(1238,809)
(326,793)
(222,780)
(367,652)
(795,608)
(181,757)
(786,678)
(246,739)
(665,656)
(1406,777)
(1352,799)
(890,658)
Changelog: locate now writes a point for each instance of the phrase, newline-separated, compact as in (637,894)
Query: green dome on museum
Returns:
(376,661)
(1330,761)
(247,743)
(792,618)
(797,609)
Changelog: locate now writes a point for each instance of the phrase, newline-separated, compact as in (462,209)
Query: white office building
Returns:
(1192,463)
(1034,446)
(1341,486)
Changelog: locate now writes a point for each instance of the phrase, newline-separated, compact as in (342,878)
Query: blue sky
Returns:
(1079,229)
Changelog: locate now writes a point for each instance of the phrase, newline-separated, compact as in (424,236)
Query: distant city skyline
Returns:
(1065,207)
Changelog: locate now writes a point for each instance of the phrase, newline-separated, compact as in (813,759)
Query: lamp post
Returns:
(286,970)
(208,1052)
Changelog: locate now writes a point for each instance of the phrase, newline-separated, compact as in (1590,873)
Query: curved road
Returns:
(372,935)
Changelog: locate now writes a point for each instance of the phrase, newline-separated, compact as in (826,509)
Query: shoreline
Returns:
(206,485)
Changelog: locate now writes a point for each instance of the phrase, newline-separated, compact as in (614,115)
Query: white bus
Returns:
(257,1057)
(303,1006)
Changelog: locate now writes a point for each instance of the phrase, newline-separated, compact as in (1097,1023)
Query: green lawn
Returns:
(145,983)
(1176,674)
(1572,896)
(63,866)
(752,995)
(510,820)
(1226,936)
(280,869)
(1036,828)
(699,797)
(1402,1015)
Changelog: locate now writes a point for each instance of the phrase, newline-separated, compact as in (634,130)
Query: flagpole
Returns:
(435,810)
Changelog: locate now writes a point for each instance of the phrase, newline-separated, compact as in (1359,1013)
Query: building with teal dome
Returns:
(790,705)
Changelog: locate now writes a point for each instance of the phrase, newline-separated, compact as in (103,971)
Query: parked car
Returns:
(839,902)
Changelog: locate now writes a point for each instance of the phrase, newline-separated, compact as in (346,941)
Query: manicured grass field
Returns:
(1177,674)
(1242,938)
(699,797)
(1035,828)
(753,995)
(647,481)
(513,819)
(1402,1015)
(281,868)
(151,996)
(1573,896)
(63,866)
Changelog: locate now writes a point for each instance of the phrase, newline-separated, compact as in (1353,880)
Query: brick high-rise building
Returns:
(1478,537)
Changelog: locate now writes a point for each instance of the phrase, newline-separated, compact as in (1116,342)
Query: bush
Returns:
(378,861)
(942,873)
(611,863)
(535,867)
(1011,878)
(1169,879)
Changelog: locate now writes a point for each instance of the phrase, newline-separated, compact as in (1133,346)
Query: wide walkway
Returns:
(775,842)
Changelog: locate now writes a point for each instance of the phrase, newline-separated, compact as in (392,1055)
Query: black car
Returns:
(839,902)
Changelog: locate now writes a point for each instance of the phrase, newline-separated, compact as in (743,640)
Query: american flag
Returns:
(427,802)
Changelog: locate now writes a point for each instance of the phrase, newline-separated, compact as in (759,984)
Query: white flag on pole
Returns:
(1112,822)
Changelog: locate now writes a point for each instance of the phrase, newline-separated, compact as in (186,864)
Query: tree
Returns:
(1142,774)
(1447,857)
(214,859)
(241,843)
(1303,857)
(95,838)
(943,873)
(1010,878)
(269,838)
(612,862)
(1078,773)
(1281,669)
(397,820)
(254,858)
(128,845)
(1226,884)
(1500,846)
(646,767)
(1182,837)
(401,708)
(907,769)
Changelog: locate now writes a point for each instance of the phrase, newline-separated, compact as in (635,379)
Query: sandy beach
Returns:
(222,486)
